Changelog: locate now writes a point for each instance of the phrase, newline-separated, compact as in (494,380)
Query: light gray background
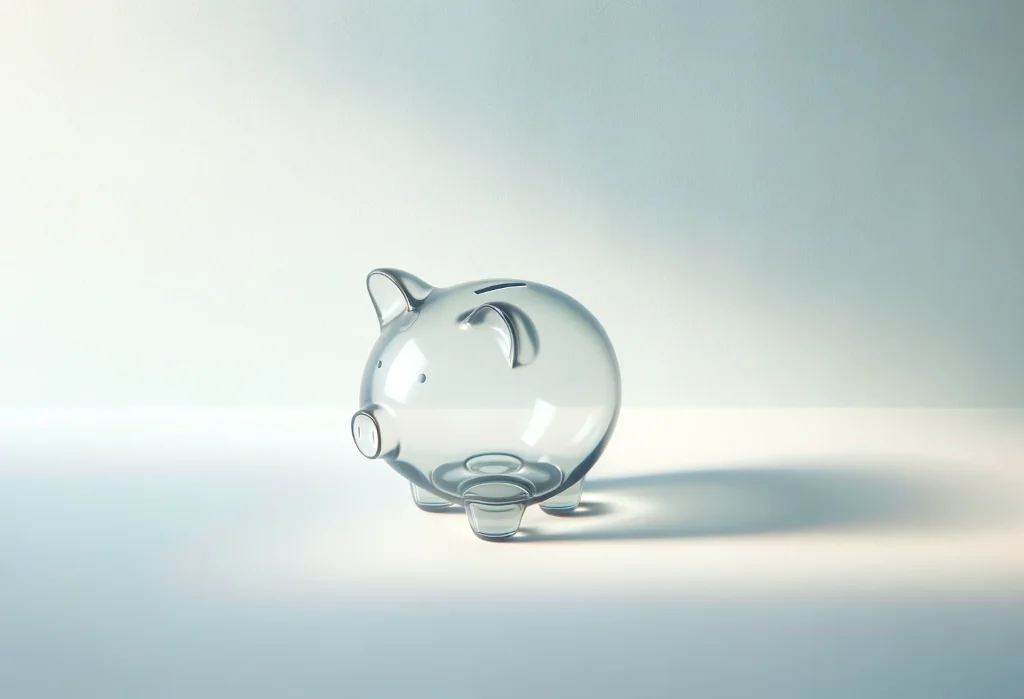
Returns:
(766,203)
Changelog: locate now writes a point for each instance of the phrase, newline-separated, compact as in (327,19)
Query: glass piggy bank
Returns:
(494,395)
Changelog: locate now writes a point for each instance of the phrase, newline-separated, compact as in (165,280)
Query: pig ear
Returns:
(515,332)
(394,292)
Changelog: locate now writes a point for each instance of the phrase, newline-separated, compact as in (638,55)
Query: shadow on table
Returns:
(753,501)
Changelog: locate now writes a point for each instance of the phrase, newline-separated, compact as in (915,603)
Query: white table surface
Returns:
(826,553)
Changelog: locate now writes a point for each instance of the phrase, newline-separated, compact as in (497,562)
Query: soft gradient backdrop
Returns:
(800,222)
(766,203)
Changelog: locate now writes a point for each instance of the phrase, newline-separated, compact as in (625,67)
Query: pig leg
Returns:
(565,501)
(495,522)
(427,501)
(495,509)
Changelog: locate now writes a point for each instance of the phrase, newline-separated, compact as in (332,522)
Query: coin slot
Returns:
(495,287)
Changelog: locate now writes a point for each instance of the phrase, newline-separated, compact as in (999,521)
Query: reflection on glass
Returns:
(543,416)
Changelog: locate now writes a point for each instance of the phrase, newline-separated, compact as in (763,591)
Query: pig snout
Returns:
(375,432)
(366,433)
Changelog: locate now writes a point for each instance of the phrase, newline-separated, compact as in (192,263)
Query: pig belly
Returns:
(482,475)
(534,449)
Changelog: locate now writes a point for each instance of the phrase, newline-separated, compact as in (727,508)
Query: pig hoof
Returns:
(427,501)
(565,501)
(495,522)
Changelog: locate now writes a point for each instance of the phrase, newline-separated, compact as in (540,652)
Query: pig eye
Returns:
(421,378)
(379,364)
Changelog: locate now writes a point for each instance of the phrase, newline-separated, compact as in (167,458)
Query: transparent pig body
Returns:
(494,395)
